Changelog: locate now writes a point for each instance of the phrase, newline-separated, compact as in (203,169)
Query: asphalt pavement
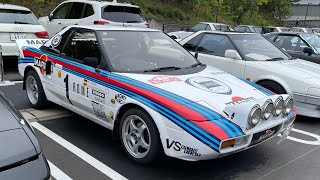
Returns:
(81,149)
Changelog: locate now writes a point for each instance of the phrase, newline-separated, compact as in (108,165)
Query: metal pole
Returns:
(305,18)
(217,12)
(1,66)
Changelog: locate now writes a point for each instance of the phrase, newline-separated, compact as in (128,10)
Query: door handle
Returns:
(59,23)
(76,24)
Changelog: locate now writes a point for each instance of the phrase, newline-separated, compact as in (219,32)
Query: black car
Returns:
(299,45)
(21,156)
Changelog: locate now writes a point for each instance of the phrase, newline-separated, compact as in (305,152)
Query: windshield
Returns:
(138,51)
(123,14)
(257,48)
(312,39)
(17,17)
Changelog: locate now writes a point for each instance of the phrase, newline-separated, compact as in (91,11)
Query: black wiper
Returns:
(195,65)
(133,21)
(275,59)
(19,22)
(169,68)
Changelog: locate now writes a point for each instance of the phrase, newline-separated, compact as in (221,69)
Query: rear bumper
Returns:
(307,105)
(36,169)
(9,49)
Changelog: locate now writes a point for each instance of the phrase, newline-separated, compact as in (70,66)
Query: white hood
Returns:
(211,87)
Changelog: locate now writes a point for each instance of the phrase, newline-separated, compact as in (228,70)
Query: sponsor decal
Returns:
(111,115)
(177,146)
(77,88)
(163,79)
(267,135)
(59,74)
(98,95)
(36,42)
(239,100)
(120,98)
(210,85)
(43,63)
(85,82)
(98,110)
(56,40)
(113,101)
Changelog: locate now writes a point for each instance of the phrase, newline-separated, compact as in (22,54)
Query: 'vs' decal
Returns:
(177,146)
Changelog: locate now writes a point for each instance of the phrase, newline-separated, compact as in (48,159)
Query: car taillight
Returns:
(42,34)
(147,25)
(100,22)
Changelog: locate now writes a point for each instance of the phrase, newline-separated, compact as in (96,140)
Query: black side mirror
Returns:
(196,55)
(91,61)
(308,50)
(50,17)
(187,29)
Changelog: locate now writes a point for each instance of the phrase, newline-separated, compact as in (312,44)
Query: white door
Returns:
(211,50)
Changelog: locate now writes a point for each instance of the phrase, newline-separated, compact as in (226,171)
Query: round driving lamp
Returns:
(288,105)
(268,109)
(254,116)
(279,106)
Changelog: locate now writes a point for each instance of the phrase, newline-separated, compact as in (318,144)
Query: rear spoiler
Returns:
(35,43)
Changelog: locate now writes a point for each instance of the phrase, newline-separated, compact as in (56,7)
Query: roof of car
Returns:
(114,28)
(14,7)
(103,3)
(226,32)
(214,23)
(249,25)
(289,33)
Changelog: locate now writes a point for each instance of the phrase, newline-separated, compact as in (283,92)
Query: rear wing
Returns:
(24,43)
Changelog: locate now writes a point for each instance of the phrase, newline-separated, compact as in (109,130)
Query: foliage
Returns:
(260,12)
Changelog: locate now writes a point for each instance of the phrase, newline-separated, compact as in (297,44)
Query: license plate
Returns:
(284,134)
(264,135)
(15,36)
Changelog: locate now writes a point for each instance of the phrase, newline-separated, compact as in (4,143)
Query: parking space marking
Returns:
(9,83)
(286,164)
(80,153)
(57,173)
(316,143)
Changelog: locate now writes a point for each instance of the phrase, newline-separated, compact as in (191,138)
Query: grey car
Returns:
(21,156)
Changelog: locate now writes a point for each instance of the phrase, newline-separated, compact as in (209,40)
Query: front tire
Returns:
(35,91)
(139,136)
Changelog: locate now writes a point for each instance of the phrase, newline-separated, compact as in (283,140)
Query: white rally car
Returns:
(255,58)
(152,93)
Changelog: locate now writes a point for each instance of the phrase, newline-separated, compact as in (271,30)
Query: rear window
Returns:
(221,28)
(17,17)
(123,14)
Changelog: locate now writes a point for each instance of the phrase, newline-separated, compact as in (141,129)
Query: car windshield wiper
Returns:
(169,68)
(195,65)
(275,59)
(19,22)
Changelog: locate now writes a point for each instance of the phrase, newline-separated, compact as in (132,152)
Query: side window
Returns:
(82,44)
(76,10)
(62,11)
(198,27)
(290,43)
(193,43)
(88,11)
(215,44)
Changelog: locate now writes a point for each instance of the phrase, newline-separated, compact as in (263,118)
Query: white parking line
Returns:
(9,83)
(57,173)
(80,153)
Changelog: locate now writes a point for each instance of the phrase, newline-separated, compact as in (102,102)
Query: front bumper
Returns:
(9,49)
(307,105)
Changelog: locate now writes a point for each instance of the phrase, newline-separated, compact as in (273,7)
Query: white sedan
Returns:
(17,22)
(153,94)
(254,58)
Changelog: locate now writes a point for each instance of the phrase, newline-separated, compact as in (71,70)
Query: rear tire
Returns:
(139,136)
(273,86)
(35,91)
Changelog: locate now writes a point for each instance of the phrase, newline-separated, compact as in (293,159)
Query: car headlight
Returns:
(267,109)
(279,106)
(254,116)
(288,105)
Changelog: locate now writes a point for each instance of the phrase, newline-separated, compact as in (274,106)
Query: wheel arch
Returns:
(277,80)
(27,69)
